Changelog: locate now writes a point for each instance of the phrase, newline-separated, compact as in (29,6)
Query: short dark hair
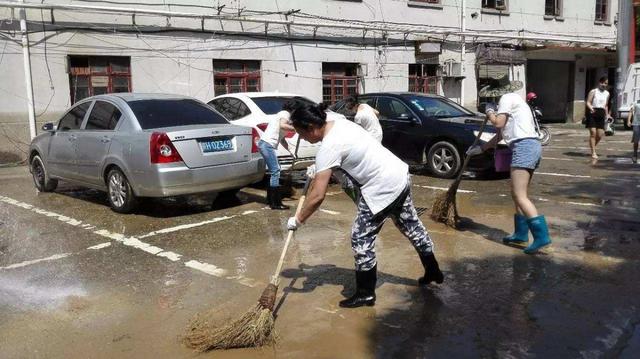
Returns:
(290,105)
(351,101)
(603,79)
(307,116)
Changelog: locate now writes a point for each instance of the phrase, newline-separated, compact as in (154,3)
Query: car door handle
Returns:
(105,139)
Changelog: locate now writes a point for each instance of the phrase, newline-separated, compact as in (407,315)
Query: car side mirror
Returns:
(48,127)
(408,118)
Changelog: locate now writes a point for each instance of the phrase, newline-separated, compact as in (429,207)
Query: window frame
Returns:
(418,81)
(75,106)
(495,9)
(88,118)
(433,4)
(411,112)
(227,99)
(334,76)
(76,72)
(557,9)
(244,75)
(605,14)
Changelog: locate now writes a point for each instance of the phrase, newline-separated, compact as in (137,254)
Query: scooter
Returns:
(544,135)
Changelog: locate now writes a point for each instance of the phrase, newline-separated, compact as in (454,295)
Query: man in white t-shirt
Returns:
(365,116)
(385,189)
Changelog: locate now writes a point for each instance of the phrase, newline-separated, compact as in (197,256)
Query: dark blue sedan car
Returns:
(428,130)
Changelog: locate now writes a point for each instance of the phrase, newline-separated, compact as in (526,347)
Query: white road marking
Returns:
(329,211)
(333,193)
(186,226)
(193,225)
(583,148)
(561,175)
(34,261)
(121,238)
(444,189)
(206,268)
(558,159)
(100,246)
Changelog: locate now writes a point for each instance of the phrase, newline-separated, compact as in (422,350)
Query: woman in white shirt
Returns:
(271,137)
(597,113)
(385,189)
(515,121)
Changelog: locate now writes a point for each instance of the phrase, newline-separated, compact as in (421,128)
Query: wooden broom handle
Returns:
(276,275)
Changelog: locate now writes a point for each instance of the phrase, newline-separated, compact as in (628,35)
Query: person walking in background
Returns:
(386,192)
(634,121)
(597,112)
(365,116)
(267,145)
(514,119)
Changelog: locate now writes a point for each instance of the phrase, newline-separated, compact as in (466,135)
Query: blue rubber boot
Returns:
(521,231)
(540,232)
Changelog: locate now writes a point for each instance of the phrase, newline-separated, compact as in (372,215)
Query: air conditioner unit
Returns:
(452,69)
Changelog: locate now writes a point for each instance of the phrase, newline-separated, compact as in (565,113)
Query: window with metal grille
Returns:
(339,80)
(423,78)
(494,4)
(97,75)
(602,10)
(232,76)
(553,7)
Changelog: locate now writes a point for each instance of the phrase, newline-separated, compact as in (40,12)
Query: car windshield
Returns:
(273,105)
(168,113)
(437,107)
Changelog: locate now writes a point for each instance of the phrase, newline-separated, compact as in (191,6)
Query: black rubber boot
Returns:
(276,198)
(432,272)
(365,289)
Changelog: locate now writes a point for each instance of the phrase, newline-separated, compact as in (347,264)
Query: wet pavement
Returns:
(78,280)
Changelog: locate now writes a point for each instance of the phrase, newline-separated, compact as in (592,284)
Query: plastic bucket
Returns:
(502,160)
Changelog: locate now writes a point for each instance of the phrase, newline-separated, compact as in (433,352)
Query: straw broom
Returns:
(444,207)
(255,328)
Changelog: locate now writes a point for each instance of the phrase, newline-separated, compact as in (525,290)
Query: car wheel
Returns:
(443,159)
(41,177)
(121,197)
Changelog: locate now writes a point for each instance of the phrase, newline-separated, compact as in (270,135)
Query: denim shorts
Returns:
(526,153)
(636,134)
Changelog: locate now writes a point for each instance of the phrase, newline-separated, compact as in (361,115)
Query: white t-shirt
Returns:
(366,117)
(380,174)
(273,133)
(519,118)
(600,98)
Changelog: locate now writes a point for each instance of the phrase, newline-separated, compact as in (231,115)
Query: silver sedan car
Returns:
(145,145)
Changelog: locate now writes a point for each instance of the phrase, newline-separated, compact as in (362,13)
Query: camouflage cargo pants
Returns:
(367,226)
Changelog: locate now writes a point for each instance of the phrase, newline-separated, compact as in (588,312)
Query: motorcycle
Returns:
(544,135)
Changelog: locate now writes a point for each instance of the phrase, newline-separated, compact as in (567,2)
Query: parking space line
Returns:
(53,257)
(34,261)
(561,175)
(193,225)
(443,188)
(131,241)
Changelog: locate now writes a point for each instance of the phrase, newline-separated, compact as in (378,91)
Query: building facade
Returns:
(324,50)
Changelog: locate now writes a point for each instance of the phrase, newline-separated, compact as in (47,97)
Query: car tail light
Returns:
(255,137)
(262,126)
(162,150)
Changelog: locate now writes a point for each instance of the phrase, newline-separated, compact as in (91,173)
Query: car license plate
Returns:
(216,145)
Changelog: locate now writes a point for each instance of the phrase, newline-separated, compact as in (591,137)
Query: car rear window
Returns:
(168,113)
(273,105)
